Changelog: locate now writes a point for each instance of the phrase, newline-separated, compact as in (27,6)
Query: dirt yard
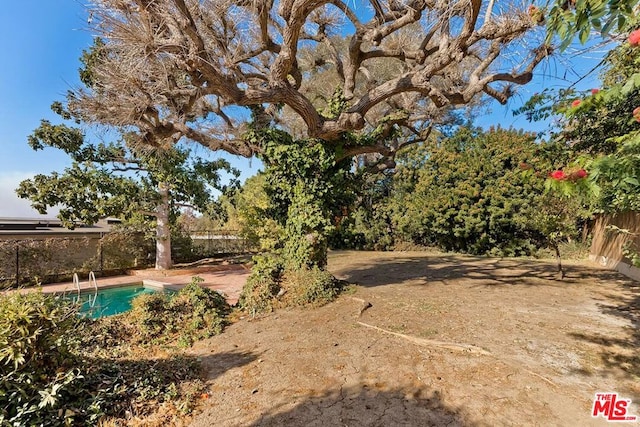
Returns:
(447,341)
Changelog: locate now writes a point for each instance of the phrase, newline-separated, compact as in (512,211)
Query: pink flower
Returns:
(558,175)
(575,103)
(634,38)
(581,173)
(636,114)
(594,91)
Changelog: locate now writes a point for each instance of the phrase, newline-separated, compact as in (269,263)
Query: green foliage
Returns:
(142,386)
(306,188)
(191,314)
(126,247)
(114,180)
(57,369)
(246,209)
(335,105)
(38,366)
(631,251)
(89,59)
(474,192)
(263,284)
(308,286)
(271,285)
(621,62)
(570,18)
(600,118)
(371,224)
(601,131)
(557,219)
(618,175)
(470,196)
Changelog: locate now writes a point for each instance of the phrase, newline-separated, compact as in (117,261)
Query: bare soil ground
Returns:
(448,340)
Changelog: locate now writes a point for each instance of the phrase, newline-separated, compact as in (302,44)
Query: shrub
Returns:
(40,378)
(309,286)
(474,191)
(270,285)
(197,313)
(148,314)
(258,293)
(191,314)
(57,368)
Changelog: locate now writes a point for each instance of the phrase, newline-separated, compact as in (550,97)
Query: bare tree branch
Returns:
(187,69)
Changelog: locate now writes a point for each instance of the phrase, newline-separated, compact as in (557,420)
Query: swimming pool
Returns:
(109,301)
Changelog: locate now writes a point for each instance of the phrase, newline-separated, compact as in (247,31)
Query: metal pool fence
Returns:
(45,260)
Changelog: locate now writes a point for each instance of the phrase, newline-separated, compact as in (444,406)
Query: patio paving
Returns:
(227,279)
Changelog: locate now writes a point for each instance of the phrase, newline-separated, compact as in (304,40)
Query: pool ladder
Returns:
(92,280)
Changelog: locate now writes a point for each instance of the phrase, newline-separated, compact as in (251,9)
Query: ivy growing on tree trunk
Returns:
(308,189)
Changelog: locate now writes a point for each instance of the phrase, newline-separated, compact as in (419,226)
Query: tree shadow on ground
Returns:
(620,352)
(360,406)
(483,271)
(140,386)
(217,364)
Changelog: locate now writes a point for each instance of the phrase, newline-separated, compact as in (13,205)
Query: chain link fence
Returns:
(214,242)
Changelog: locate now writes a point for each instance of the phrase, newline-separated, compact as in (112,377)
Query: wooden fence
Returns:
(611,235)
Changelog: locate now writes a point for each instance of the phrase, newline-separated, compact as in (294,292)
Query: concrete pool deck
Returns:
(227,279)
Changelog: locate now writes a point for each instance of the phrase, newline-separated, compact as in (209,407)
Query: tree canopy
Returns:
(601,126)
(476,191)
(131,182)
(570,18)
(112,179)
(196,69)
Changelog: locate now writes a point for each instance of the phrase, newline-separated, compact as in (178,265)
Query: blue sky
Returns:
(41,44)
(43,40)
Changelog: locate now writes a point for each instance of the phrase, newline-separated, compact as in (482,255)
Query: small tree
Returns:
(112,179)
(141,175)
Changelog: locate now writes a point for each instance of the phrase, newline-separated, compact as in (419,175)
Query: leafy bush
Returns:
(191,314)
(309,286)
(474,191)
(258,293)
(59,369)
(270,286)
(40,379)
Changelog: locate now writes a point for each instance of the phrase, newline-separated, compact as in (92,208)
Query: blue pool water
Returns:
(108,302)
